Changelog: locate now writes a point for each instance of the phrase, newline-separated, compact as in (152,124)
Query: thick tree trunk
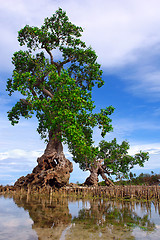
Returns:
(108,182)
(95,171)
(53,168)
(92,180)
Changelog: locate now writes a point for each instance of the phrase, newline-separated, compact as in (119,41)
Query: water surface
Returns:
(39,218)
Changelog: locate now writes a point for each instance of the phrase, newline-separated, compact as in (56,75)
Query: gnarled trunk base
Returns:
(95,171)
(92,180)
(53,168)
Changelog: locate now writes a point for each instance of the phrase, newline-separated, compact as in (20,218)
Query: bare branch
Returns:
(106,171)
(66,61)
(45,91)
(33,92)
(101,160)
(52,62)
(87,168)
(24,101)
(39,81)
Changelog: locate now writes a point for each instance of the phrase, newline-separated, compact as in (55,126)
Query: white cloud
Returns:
(153,148)
(144,83)
(4,176)
(115,29)
(125,128)
(153,164)
(122,33)
(19,153)
(154,156)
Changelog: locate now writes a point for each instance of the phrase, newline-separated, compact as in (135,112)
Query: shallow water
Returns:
(40,218)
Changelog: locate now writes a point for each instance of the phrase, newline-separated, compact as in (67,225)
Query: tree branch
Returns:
(33,92)
(105,170)
(52,62)
(101,160)
(45,91)
(25,102)
(87,168)
(39,81)
(66,61)
(59,66)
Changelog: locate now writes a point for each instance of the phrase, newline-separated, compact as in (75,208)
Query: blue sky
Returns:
(125,35)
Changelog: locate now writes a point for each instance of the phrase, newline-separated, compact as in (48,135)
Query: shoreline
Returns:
(133,192)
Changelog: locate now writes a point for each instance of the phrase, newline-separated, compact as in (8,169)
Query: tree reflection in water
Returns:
(111,220)
(101,220)
(50,217)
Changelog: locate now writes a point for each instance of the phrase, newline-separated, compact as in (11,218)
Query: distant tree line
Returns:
(142,179)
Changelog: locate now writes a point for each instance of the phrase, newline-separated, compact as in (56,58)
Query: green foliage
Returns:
(142,179)
(58,92)
(116,160)
(107,215)
(146,179)
(102,183)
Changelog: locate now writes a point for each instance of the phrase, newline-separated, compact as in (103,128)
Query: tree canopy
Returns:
(112,159)
(116,160)
(55,77)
